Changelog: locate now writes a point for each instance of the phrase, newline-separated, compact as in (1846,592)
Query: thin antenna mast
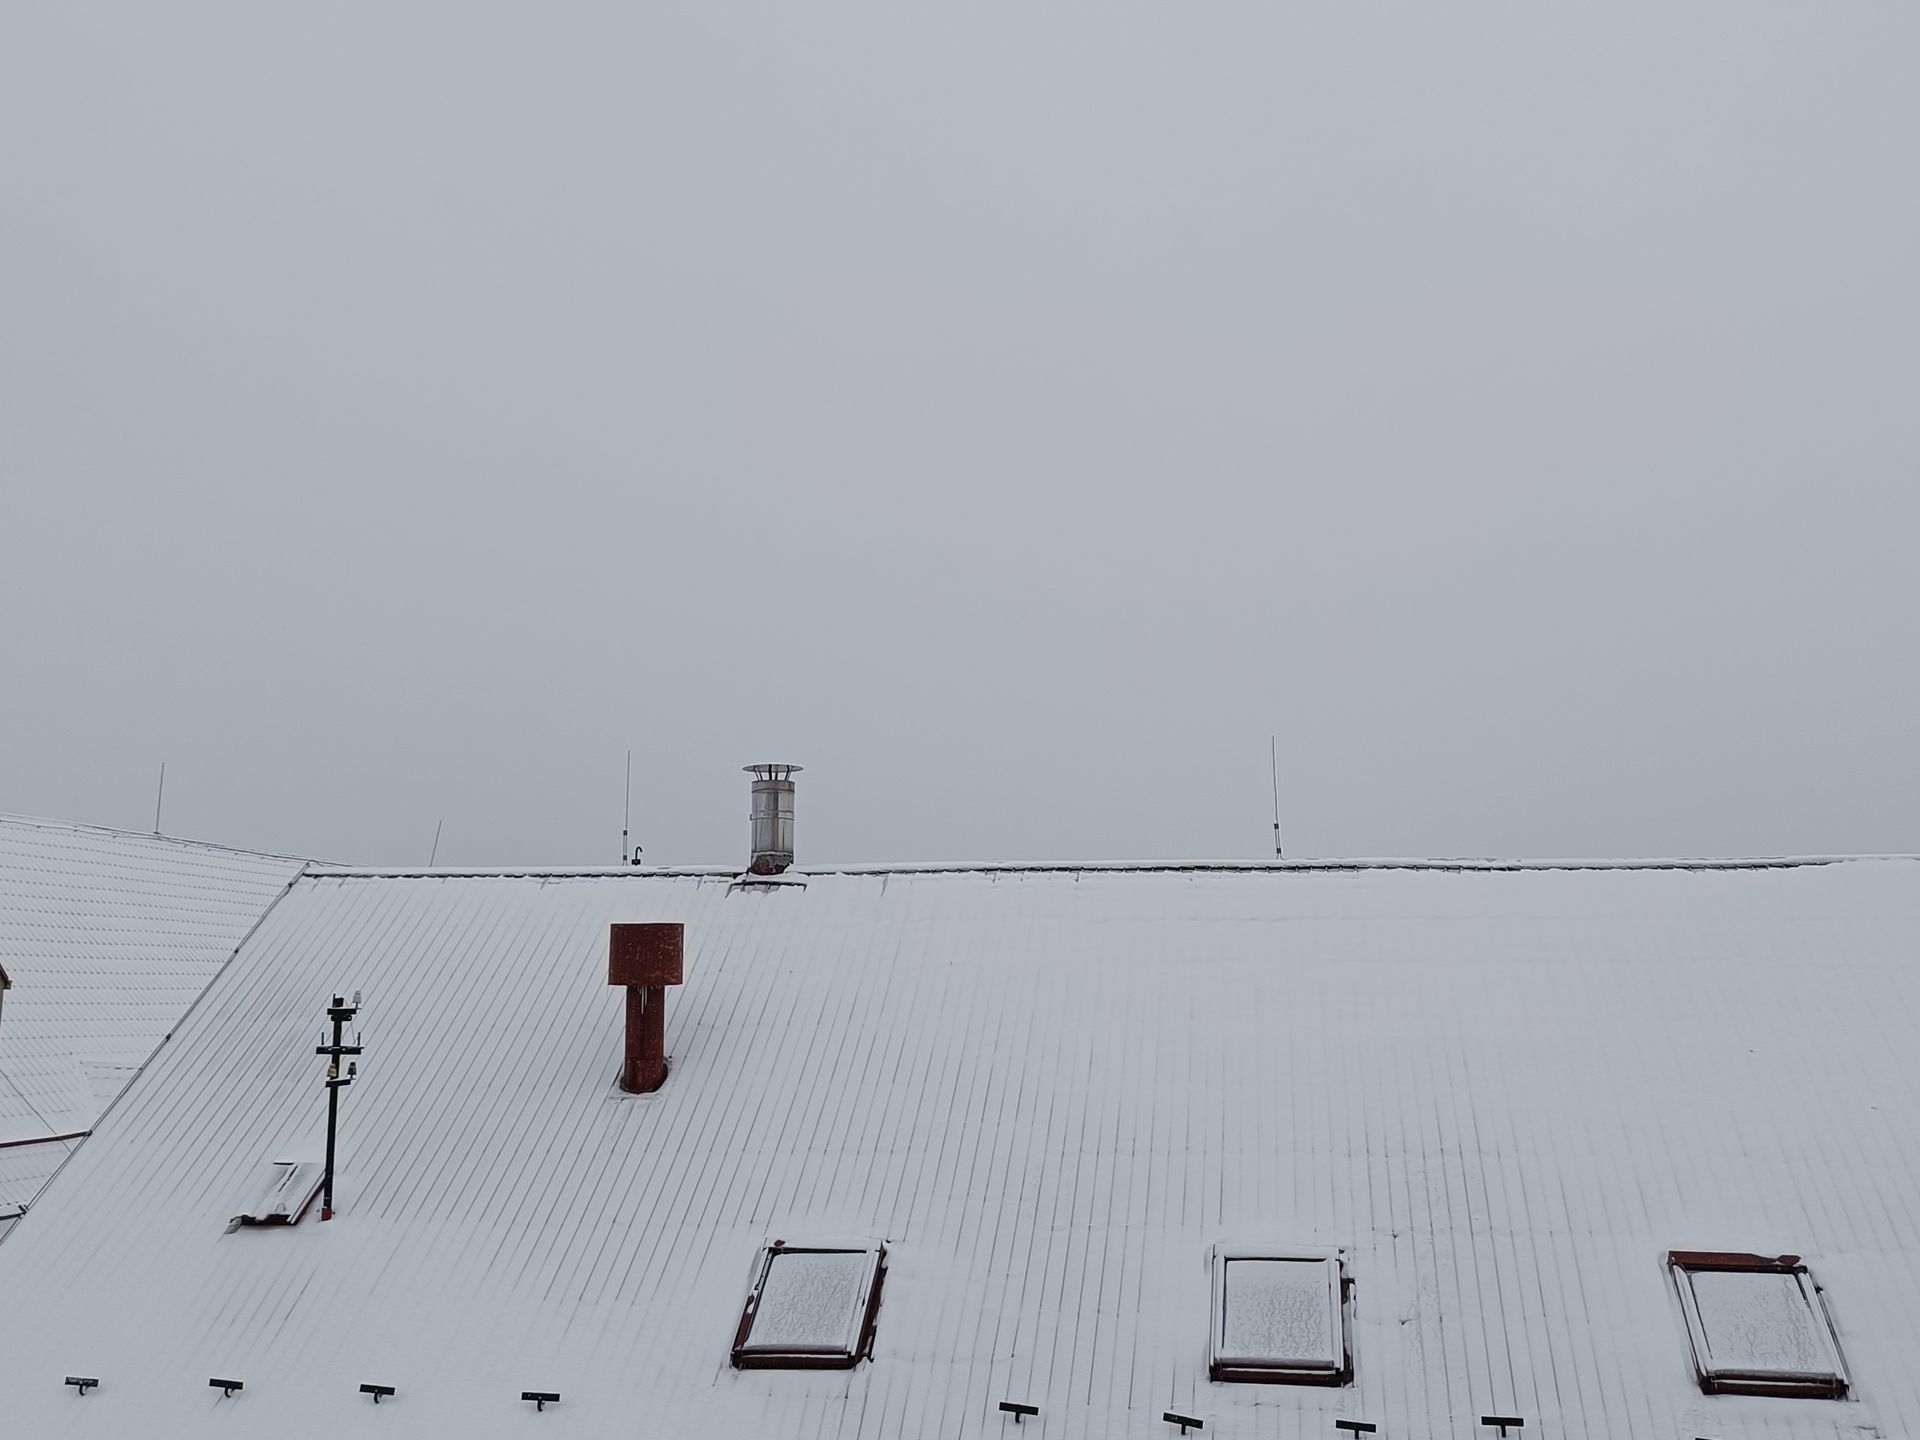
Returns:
(436,842)
(626,815)
(160,796)
(1273,761)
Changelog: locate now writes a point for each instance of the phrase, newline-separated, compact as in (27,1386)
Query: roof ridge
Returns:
(1029,867)
(48,823)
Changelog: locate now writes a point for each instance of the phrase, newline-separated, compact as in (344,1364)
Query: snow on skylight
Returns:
(1277,1317)
(810,1303)
(1758,1325)
(1279,1311)
(1761,1324)
(283,1192)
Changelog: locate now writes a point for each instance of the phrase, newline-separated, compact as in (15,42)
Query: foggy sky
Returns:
(1012,413)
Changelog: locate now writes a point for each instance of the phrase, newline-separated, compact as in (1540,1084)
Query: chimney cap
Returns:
(772,772)
(646,954)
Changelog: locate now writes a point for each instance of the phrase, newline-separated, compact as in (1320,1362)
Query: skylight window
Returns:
(284,1191)
(1758,1325)
(811,1306)
(1279,1317)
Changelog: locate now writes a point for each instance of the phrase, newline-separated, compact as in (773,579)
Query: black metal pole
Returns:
(339,1012)
(333,1116)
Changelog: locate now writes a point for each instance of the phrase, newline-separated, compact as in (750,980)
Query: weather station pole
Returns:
(339,1013)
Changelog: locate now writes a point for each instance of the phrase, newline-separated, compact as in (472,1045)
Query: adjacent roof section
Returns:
(1501,1097)
(23,1170)
(107,938)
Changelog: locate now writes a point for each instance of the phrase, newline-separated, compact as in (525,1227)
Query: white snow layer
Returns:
(811,1302)
(1280,1312)
(1506,1095)
(1760,1324)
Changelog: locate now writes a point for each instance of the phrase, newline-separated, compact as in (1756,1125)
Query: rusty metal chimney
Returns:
(646,959)
(772,817)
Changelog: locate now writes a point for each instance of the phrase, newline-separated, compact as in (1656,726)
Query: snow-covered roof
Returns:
(1502,1096)
(107,937)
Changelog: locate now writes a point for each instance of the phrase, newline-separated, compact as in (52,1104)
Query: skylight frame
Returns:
(1719,1379)
(301,1179)
(1222,1365)
(748,1356)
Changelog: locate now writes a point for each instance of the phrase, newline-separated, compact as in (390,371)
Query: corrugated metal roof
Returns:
(1505,1094)
(25,1168)
(107,937)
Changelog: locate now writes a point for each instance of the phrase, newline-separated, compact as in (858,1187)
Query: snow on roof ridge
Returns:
(991,867)
(47,823)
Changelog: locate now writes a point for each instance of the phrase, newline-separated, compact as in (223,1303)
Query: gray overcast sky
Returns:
(1012,413)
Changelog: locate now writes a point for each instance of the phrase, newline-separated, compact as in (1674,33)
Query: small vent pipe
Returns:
(772,818)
